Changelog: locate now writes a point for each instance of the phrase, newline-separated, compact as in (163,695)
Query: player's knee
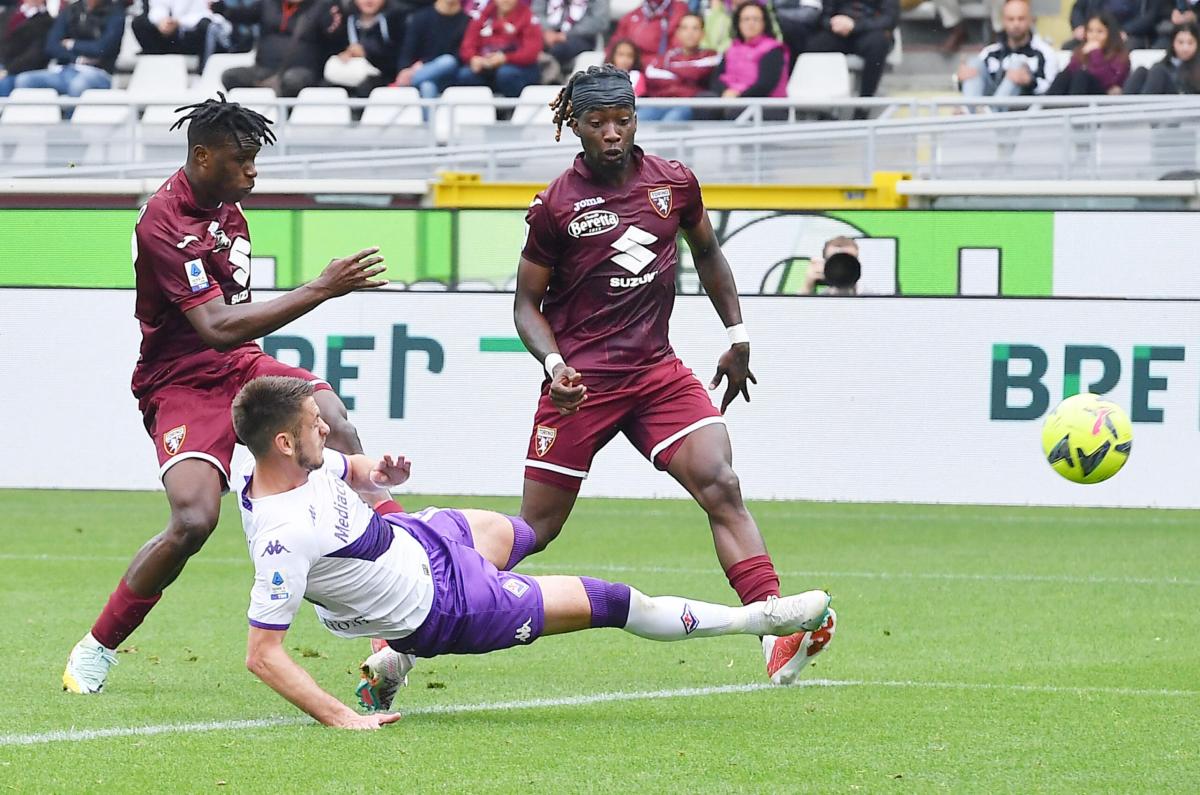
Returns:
(190,527)
(722,490)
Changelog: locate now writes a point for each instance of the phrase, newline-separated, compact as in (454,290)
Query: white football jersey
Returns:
(322,544)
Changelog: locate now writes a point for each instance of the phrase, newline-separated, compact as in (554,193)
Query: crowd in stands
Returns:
(672,48)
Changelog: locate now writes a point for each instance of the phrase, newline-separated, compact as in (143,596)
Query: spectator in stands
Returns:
(1098,66)
(756,63)
(23,30)
(290,46)
(367,38)
(862,27)
(570,27)
(429,55)
(1177,73)
(500,49)
(83,44)
(651,27)
(1183,12)
(625,55)
(844,269)
(1137,20)
(1019,64)
(181,26)
(798,20)
(686,71)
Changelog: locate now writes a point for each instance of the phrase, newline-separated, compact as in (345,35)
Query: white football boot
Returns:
(87,667)
(383,673)
(788,656)
(801,612)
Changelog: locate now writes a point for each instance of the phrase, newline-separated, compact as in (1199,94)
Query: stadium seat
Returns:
(215,66)
(586,59)
(262,100)
(27,106)
(1145,58)
(535,105)
(158,76)
(820,75)
(103,106)
(321,107)
(393,105)
(127,58)
(450,119)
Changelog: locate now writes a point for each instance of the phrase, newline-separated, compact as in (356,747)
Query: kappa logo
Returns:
(690,622)
(273,548)
(525,631)
(173,439)
(516,587)
(660,200)
(544,439)
(596,222)
(595,201)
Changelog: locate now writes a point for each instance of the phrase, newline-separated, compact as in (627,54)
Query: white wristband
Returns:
(737,334)
(552,361)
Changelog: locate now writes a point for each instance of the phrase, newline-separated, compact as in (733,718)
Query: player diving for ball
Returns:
(191,250)
(595,288)
(428,583)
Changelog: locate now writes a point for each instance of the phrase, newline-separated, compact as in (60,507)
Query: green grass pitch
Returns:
(978,650)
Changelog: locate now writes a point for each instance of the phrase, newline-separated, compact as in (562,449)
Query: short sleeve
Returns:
(692,211)
(280,578)
(179,273)
(542,244)
(336,464)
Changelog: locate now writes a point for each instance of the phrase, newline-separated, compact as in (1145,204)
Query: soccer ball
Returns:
(1087,439)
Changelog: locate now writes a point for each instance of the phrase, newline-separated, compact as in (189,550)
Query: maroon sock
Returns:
(754,579)
(123,614)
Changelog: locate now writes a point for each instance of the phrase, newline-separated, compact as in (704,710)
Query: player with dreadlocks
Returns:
(191,249)
(595,288)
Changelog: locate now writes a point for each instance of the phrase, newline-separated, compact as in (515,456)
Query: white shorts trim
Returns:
(682,432)
(173,460)
(575,473)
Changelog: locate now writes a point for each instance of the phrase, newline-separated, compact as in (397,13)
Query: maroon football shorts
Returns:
(655,410)
(190,417)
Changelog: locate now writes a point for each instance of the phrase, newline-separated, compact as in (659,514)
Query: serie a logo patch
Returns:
(172,440)
(543,439)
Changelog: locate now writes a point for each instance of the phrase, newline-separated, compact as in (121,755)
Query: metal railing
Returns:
(780,141)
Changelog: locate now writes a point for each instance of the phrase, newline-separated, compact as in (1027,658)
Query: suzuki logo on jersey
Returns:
(595,201)
(660,200)
(597,222)
(273,548)
(634,256)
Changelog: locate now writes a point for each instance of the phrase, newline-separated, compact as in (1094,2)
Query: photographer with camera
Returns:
(837,269)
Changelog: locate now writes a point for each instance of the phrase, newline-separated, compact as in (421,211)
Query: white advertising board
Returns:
(868,399)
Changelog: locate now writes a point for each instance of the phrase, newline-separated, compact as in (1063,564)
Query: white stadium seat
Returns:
(261,100)
(158,75)
(393,105)
(28,106)
(535,105)
(820,75)
(1145,58)
(128,56)
(586,59)
(102,106)
(215,66)
(318,107)
(449,120)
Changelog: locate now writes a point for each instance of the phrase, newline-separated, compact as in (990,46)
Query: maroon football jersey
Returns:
(184,256)
(612,250)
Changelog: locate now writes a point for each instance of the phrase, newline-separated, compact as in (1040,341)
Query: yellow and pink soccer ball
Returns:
(1087,439)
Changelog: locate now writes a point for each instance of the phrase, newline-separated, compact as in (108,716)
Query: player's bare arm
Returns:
(567,390)
(224,326)
(267,659)
(367,476)
(717,278)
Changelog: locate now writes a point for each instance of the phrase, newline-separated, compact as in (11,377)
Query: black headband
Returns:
(607,90)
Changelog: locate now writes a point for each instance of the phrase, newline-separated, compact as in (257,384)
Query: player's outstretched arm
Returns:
(717,278)
(566,383)
(269,661)
(224,326)
(367,476)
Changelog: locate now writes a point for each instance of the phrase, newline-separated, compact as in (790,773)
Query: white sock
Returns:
(676,618)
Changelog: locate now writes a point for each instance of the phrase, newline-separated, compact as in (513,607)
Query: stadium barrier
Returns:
(874,399)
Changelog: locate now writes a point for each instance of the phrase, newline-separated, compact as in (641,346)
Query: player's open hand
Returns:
(356,272)
(390,471)
(368,723)
(567,391)
(734,365)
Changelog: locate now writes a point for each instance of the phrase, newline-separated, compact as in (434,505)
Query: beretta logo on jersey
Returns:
(596,222)
(173,439)
(660,200)
(544,439)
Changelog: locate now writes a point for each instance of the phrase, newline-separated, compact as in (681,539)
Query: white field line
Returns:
(613,568)
(79,735)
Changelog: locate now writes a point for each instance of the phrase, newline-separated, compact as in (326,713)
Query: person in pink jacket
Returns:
(1100,65)
(500,49)
(756,63)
